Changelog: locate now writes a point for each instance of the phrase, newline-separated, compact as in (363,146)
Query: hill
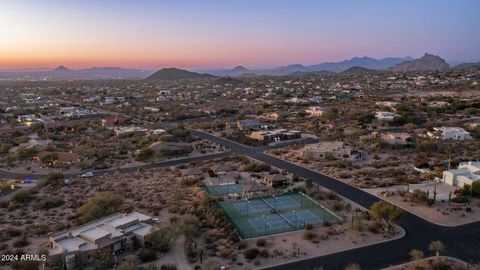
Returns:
(467,65)
(172,74)
(426,62)
(357,71)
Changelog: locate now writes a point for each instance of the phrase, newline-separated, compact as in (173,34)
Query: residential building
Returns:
(275,135)
(402,138)
(466,173)
(114,232)
(276,180)
(385,116)
(336,149)
(314,111)
(249,125)
(449,133)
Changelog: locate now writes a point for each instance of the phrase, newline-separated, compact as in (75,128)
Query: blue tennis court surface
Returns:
(275,214)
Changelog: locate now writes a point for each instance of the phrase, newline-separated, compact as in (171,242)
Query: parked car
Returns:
(86,175)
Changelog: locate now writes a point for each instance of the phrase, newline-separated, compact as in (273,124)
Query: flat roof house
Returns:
(276,180)
(401,138)
(385,116)
(315,111)
(336,148)
(467,173)
(114,231)
(248,125)
(450,133)
(276,135)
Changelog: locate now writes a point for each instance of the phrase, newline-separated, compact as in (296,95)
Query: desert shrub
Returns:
(100,205)
(242,245)
(264,253)
(23,196)
(374,227)
(168,266)
(48,203)
(261,242)
(52,179)
(251,253)
(190,225)
(161,239)
(147,255)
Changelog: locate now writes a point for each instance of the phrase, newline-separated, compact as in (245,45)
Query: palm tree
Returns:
(436,246)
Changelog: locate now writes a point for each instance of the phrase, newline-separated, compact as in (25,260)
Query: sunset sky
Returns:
(211,34)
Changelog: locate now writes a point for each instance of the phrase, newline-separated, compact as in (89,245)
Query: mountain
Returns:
(290,69)
(320,73)
(365,62)
(426,62)
(62,69)
(467,65)
(358,71)
(171,74)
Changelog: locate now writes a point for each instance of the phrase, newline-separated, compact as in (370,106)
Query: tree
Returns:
(190,225)
(308,183)
(100,205)
(383,211)
(102,258)
(416,254)
(436,246)
(145,153)
(160,239)
(130,263)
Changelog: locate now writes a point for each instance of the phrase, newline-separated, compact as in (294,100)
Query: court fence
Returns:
(262,216)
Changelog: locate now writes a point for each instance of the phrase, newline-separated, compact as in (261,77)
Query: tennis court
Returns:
(220,190)
(275,214)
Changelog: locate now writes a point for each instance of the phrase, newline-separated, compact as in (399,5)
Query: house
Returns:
(115,232)
(60,159)
(220,168)
(389,104)
(253,187)
(275,180)
(314,111)
(336,149)
(401,138)
(449,133)
(467,173)
(276,115)
(109,122)
(249,125)
(193,172)
(133,129)
(385,116)
(438,104)
(275,135)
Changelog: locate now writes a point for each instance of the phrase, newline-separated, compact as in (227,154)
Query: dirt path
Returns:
(177,255)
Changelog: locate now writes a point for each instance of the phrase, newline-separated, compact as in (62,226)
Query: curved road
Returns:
(462,242)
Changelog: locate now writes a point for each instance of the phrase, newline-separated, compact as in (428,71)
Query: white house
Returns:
(314,111)
(385,116)
(449,133)
(467,173)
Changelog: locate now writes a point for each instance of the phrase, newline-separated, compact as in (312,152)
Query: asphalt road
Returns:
(462,242)
(174,162)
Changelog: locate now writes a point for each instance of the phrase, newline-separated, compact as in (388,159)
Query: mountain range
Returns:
(355,65)
(64,73)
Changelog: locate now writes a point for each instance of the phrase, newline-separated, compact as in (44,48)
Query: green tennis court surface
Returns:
(275,214)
